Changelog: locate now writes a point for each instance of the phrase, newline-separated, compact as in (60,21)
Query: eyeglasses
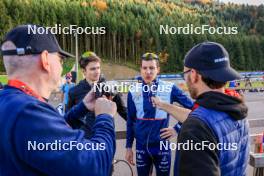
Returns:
(88,54)
(184,73)
(149,56)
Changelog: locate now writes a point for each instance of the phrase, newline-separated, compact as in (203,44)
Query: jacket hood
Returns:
(230,102)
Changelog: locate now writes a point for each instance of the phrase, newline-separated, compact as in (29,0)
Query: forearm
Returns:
(129,134)
(179,113)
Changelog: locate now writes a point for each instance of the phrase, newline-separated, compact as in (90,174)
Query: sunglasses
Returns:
(149,56)
(88,54)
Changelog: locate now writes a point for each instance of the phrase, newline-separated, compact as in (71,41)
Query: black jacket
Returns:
(77,93)
(193,129)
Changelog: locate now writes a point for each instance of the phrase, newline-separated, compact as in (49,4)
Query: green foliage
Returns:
(3,79)
(67,65)
(132,28)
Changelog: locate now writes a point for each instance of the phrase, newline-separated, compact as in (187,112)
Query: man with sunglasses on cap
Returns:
(65,91)
(35,138)
(90,64)
(148,124)
(217,124)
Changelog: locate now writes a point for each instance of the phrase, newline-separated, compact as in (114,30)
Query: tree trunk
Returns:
(119,48)
(125,49)
(72,44)
(94,46)
(114,45)
(133,49)
(110,47)
(103,46)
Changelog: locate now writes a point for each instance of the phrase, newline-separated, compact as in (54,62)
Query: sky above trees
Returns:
(251,2)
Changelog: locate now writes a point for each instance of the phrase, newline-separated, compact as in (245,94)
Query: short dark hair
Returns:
(84,61)
(213,84)
(149,57)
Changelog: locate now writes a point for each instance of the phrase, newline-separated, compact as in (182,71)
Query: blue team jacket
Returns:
(145,121)
(23,118)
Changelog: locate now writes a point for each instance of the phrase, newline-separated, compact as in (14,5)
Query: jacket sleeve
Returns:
(74,113)
(177,95)
(121,109)
(131,120)
(177,127)
(197,162)
(66,151)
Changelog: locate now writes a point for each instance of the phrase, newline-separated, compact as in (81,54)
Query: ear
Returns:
(44,62)
(83,70)
(158,70)
(195,76)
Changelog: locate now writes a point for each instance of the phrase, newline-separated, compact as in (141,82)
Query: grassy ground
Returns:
(255,84)
(3,79)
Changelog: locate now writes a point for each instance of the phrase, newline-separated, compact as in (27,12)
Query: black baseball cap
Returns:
(211,60)
(29,41)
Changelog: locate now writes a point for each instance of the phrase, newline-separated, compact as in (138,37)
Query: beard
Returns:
(193,91)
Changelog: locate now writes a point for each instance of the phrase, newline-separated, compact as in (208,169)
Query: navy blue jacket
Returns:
(24,120)
(145,121)
(220,120)
(76,95)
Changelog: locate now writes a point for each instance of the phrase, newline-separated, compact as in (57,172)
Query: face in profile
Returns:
(190,84)
(92,71)
(56,68)
(149,70)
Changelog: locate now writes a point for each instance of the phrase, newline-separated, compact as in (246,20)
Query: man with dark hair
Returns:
(35,138)
(217,124)
(150,125)
(90,64)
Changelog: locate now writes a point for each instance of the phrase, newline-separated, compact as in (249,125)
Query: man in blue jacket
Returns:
(35,139)
(217,125)
(145,122)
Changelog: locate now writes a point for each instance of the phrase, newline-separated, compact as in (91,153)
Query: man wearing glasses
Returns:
(35,139)
(217,124)
(148,124)
(90,64)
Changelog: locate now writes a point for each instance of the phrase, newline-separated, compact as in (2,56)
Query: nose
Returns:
(97,71)
(148,71)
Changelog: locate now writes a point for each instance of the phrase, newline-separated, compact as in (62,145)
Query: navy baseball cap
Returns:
(28,43)
(211,60)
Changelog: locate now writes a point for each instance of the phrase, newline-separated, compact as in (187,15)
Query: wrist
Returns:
(162,105)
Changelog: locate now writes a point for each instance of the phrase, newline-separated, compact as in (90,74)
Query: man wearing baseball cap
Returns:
(35,139)
(216,128)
